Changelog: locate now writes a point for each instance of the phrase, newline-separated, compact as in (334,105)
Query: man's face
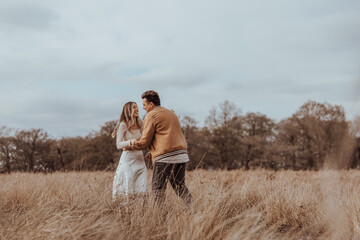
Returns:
(147,106)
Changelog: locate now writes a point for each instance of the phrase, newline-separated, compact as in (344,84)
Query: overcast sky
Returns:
(69,66)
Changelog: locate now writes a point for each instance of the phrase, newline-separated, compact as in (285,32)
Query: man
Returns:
(163,135)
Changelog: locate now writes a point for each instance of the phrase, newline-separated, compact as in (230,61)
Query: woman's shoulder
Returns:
(123,126)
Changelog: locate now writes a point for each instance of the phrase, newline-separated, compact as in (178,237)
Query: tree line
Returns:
(316,136)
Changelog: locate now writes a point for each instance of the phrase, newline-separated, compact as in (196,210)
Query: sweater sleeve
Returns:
(147,134)
(120,135)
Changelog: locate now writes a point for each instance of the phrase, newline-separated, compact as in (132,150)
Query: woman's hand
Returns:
(131,143)
(148,156)
(130,147)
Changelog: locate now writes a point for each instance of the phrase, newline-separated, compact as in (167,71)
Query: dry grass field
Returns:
(229,205)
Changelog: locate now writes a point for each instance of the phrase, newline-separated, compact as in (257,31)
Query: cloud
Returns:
(75,63)
(27,16)
(59,114)
(171,77)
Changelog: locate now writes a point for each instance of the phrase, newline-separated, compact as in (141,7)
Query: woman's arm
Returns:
(120,135)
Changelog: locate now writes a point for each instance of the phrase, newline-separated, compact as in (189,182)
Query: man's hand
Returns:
(126,149)
(132,141)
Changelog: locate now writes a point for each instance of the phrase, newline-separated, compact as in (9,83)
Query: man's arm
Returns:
(147,135)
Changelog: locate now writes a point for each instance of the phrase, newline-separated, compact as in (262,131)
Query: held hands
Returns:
(131,144)
(148,156)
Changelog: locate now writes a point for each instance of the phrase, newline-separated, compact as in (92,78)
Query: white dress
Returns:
(131,173)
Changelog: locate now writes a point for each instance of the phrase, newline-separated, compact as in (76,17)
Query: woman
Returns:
(131,174)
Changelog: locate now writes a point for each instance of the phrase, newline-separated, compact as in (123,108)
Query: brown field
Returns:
(229,205)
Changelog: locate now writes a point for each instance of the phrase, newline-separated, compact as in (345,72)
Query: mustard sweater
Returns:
(162,133)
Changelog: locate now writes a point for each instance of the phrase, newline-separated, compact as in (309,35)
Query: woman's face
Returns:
(135,111)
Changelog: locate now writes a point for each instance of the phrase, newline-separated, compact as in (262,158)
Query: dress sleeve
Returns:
(120,135)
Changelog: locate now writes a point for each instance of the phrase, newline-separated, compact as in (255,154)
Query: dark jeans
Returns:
(175,173)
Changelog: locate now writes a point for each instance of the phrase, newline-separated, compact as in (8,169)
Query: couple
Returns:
(162,134)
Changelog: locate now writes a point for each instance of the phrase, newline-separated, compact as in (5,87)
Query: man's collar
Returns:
(155,108)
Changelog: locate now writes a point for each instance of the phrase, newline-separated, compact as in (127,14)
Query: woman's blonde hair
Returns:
(128,118)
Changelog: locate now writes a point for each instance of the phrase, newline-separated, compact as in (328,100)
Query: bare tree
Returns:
(196,141)
(6,148)
(355,134)
(31,148)
(223,135)
(286,148)
(257,132)
(321,129)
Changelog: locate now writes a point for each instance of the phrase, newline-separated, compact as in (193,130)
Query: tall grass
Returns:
(229,205)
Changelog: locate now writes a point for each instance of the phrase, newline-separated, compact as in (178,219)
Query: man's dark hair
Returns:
(151,96)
